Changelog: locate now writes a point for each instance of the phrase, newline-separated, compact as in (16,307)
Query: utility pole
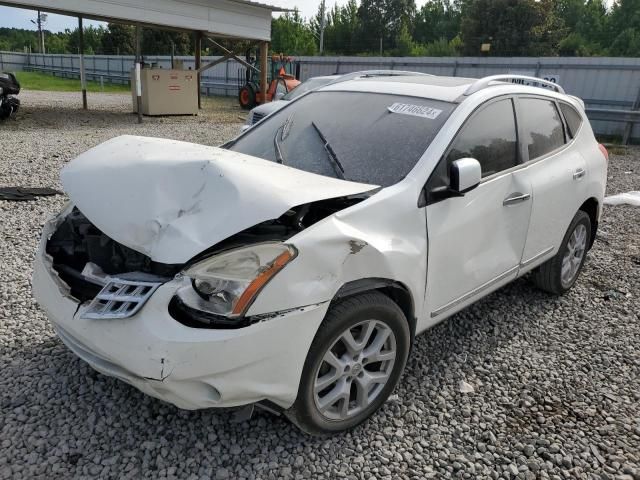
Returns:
(42,18)
(322,24)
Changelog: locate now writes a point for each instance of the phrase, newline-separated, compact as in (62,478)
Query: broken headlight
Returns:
(226,284)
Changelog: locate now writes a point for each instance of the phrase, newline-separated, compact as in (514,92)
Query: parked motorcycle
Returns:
(9,86)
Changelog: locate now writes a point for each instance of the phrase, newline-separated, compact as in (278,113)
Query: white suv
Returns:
(293,267)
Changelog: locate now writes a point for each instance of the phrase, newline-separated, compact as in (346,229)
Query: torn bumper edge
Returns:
(190,368)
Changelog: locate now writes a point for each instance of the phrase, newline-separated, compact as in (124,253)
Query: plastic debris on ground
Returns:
(629,198)
(21,194)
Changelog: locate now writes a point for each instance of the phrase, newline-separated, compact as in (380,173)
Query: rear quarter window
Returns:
(543,131)
(572,117)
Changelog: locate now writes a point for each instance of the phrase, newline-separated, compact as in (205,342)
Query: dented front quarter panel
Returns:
(381,237)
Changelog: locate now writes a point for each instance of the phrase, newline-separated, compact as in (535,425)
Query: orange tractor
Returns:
(280,78)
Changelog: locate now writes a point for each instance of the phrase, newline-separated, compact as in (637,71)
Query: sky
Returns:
(20,18)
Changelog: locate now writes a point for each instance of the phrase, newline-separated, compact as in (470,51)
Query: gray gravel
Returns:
(556,380)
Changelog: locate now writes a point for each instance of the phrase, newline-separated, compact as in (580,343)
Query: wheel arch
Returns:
(396,291)
(591,207)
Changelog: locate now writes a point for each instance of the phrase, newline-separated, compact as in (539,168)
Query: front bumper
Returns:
(190,368)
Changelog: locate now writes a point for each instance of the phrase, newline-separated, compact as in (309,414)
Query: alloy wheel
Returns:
(572,259)
(354,370)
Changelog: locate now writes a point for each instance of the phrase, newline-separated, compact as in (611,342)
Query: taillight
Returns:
(604,151)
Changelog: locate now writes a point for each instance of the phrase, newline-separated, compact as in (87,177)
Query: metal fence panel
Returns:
(604,83)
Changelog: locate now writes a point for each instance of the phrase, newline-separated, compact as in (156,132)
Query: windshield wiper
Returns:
(337,166)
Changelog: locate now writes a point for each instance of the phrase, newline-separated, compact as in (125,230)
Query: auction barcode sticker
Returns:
(415,110)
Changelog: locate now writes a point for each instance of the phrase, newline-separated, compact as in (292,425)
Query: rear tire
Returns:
(337,389)
(247,97)
(558,274)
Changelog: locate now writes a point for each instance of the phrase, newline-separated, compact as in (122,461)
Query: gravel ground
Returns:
(556,380)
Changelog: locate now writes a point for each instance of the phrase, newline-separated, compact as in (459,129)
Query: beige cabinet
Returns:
(166,92)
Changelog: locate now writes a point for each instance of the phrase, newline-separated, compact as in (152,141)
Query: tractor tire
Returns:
(247,97)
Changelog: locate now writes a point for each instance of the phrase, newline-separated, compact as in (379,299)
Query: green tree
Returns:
(571,11)
(57,43)
(372,17)
(511,27)
(119,39)
(626,44)
(15,39)
(92,40)
(342,28)
(405,46)
(624,28)
(437,19)
(160,42)
(291,35)
(547,34)
(381,22)
(574,45)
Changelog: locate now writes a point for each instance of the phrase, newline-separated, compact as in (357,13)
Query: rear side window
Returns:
(573,118)
(542,126)
(489,137)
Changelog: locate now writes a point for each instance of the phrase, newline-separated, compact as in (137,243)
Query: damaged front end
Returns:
(116,281)
(86,259)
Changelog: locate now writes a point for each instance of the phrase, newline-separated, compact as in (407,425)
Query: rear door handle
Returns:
(516,198)
(579,173)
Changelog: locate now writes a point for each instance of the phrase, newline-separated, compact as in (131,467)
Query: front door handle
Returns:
(516,198)
(579,173)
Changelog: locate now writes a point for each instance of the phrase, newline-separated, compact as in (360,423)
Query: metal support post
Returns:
(138,76)
(83,78)
(264,65)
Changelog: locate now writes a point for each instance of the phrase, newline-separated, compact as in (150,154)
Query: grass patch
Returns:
(49,83)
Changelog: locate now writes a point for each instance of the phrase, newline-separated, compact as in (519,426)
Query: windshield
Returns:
(364,137)
(307,86)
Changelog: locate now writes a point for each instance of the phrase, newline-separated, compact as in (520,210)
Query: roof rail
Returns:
(488,81)
(381,73)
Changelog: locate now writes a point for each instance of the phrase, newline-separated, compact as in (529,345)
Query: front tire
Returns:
(247,97)
(560,273)
(353,365)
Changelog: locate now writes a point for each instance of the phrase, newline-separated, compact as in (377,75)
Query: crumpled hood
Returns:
(171,200)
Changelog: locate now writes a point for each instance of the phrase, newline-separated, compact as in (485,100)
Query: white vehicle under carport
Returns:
(258,113)
(261,111)
(293,267)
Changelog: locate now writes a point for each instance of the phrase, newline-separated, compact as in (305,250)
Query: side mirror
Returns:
(465,175)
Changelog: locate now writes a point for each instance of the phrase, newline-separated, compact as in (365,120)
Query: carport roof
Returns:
(228,18)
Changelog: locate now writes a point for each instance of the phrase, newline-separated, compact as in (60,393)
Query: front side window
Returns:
(362,137)
(542,126)
(490,137)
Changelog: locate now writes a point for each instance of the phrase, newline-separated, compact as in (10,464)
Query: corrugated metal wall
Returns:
(602,82)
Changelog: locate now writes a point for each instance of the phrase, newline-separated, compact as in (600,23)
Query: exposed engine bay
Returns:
(78,243)
(82,253)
